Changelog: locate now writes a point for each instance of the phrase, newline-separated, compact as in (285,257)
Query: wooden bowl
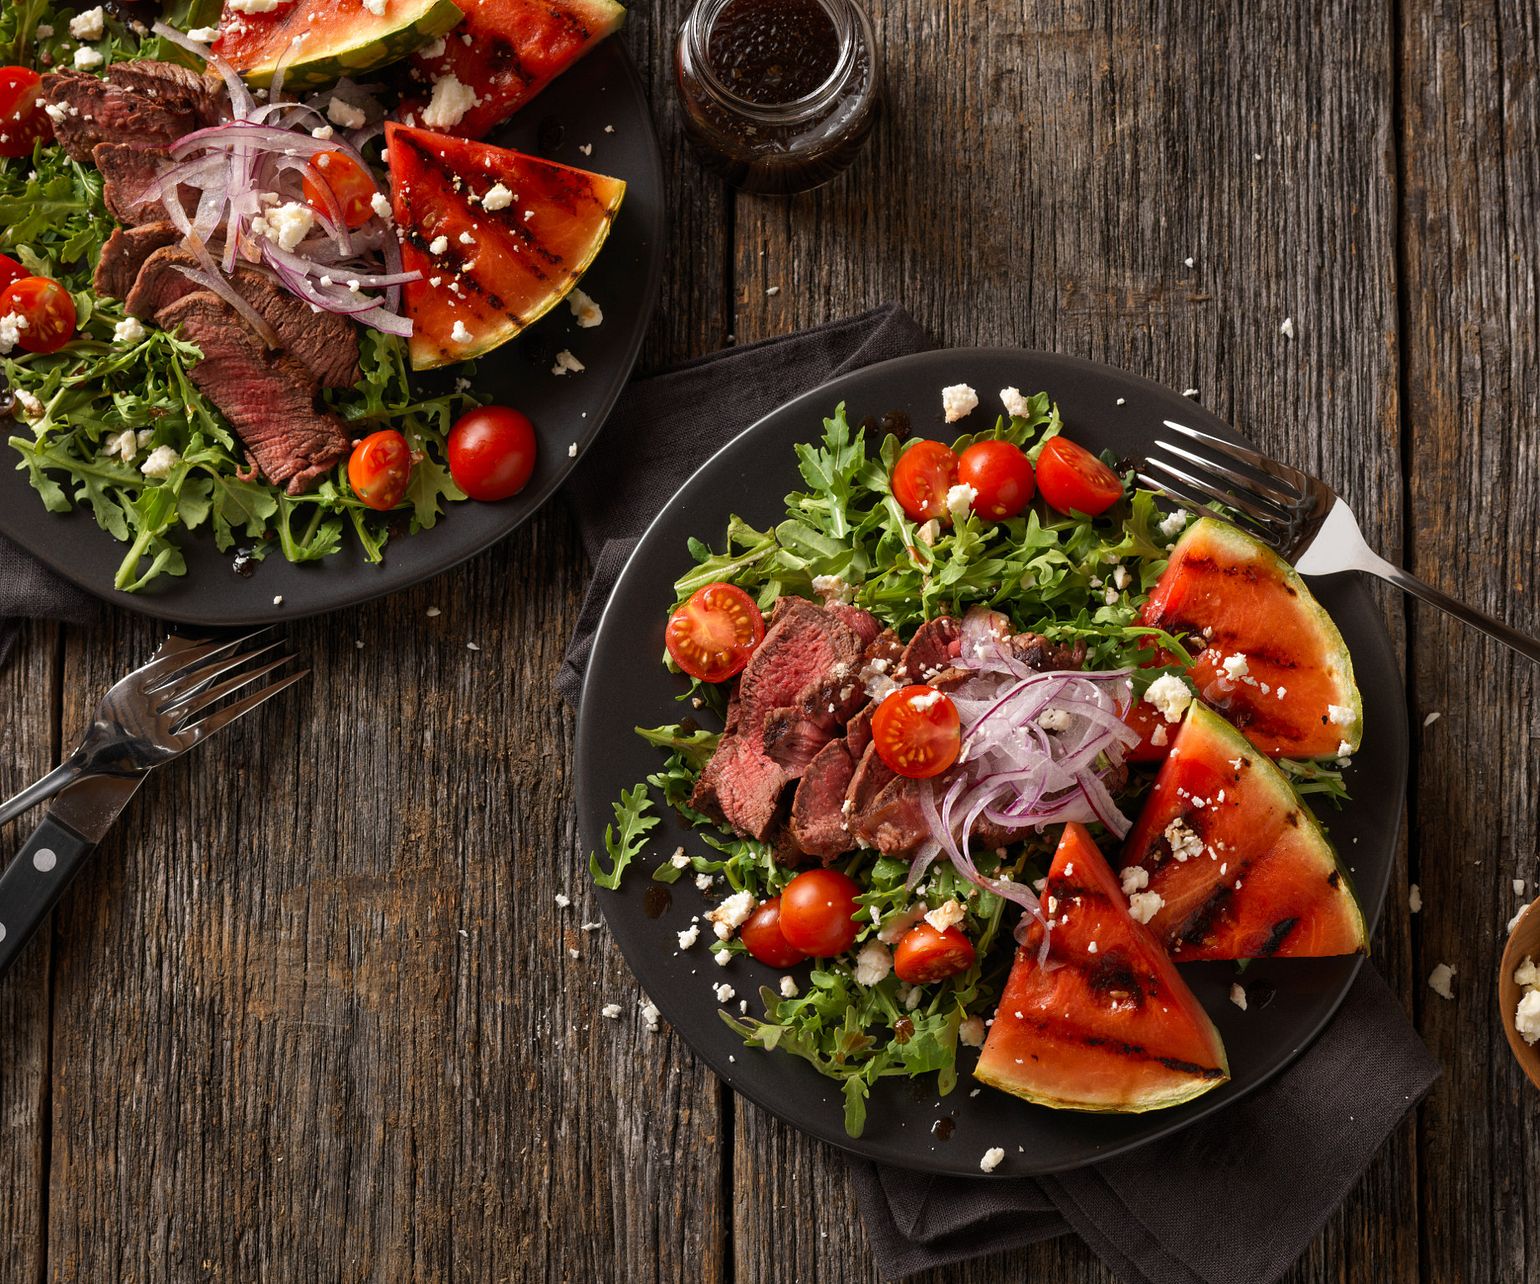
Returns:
(1523,942)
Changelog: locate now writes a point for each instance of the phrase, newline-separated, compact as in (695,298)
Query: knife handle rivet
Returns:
(43,859)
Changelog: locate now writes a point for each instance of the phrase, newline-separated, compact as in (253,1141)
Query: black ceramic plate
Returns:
(1290,1001)
(603,89)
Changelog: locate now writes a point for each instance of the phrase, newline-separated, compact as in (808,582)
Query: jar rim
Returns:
(697,32)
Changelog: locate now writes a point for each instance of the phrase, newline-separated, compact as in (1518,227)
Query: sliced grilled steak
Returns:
(865,625)
(818,820)
(124,254)
(325,342)
(933,645)
(269,398)
(145,103)
(131,180)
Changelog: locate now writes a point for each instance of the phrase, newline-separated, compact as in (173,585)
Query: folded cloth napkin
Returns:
(29,590)
(1232,1200)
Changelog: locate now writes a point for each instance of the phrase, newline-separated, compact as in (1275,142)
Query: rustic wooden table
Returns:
(314,1015)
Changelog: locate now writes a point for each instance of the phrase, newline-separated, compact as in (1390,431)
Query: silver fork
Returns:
(152,715)
(1301,517)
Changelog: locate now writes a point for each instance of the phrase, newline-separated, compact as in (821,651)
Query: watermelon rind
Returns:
(1225,872)
(348,45)
(1236,549)
(1068,1036)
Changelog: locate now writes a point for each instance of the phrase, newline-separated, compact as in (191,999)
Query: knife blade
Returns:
(81,814)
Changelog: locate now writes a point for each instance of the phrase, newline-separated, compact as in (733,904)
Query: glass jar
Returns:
(778,95)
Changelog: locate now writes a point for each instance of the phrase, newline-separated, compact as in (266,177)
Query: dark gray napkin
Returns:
(1233,1200)
(30,591)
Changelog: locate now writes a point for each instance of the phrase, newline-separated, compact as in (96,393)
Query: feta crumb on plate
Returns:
(993,1158)
(565,362)
(724,992)
(957,401)
(1016,405)
(971,1032)
(689,936)
(1238,995)
(788,987)
(730,914)
(587,312)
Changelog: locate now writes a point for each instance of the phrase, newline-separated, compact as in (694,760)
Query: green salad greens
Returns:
(88,416)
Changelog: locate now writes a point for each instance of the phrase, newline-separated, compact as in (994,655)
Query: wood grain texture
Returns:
(1472,352)
(1053,202)
(28,733)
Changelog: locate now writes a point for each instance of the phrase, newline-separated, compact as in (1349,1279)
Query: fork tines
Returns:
(193,686)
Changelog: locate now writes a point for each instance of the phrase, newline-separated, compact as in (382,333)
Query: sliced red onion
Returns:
(240,98)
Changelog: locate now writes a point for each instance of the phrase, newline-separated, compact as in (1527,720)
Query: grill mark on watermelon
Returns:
(1247,572)
(503,60)
(1276,938)
(1057,1031)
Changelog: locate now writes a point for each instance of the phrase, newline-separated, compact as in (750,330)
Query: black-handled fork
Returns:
(191,688)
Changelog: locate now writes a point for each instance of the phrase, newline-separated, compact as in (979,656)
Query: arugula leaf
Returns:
(694,747)
(630,815)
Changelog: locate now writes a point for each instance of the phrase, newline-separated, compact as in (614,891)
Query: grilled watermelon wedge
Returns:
(507,51)
(1241,868)
(489,268)
(1233,596)
(1107,1024)
(337,37)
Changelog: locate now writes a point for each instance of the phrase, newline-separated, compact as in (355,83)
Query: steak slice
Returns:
(933,645)
(326,342)
(145,103)
(124,254)
(864,624)
(131,180)
(269,398)
(818,821)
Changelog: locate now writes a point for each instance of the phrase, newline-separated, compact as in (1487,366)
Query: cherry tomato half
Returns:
(925,955)
(713,634)
(380,469)
(1073,480)
(917,732)
(10,270)
(817,912)
(1002,476)
(921,478)
(22,120)
(492,452)
(761,934)
(47,309)
(350,187)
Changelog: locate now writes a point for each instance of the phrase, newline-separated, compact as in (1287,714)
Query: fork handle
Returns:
(35,793)
(34,881)
(1526,646)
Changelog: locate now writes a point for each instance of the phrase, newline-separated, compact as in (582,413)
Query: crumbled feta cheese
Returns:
(1170,695)
(1236,668)
(900,923)
(204,35)
(1238,995)
(1518,887)
(435,48)
(565,361)
(1526,1019)
(958,401)
(1172,526)
(124,445)
(450,101)
(1189,392)
(498,197)
(721,957)
(160,463)
(703,881)
(1339,714)
(56,112)
(1414,899)
(1185,844)
(1055,720)
(727,916)
(87,58)
(128,330)
(376,7)
(610,1010)
(788,987)
(1514,921)
(254,6)
(285,225)
(724,992)
(587,312)
(1441,981)
(87,25)
(1016,405)
(971,1032)
(873,962)
(1343,750)
(44,30)
(1432,718)
(438,245)
(650,1016)
(459,333)
(993,1158)
(1143,906)
(1159,737)
(1120,577)
(948,914)
(689,936)
(832,588)
(959,501)
(380,204)
(341,112)
(562,900)
(1527,974)
(1287,328)
(1134,878)
(11,326)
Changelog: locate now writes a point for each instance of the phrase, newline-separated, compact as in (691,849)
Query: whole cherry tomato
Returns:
(380,469)
(818,911)
(925,954)
(1002,476)
(1073,480)
(22,118)
(761,933)
(713,634)
(492,452)
(921,478)
(45,309)
(917,732)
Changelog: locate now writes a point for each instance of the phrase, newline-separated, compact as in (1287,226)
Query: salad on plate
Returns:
(981,742)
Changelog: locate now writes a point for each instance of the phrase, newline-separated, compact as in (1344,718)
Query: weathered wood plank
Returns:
(1472,237)
(1041,176)
(28,735)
